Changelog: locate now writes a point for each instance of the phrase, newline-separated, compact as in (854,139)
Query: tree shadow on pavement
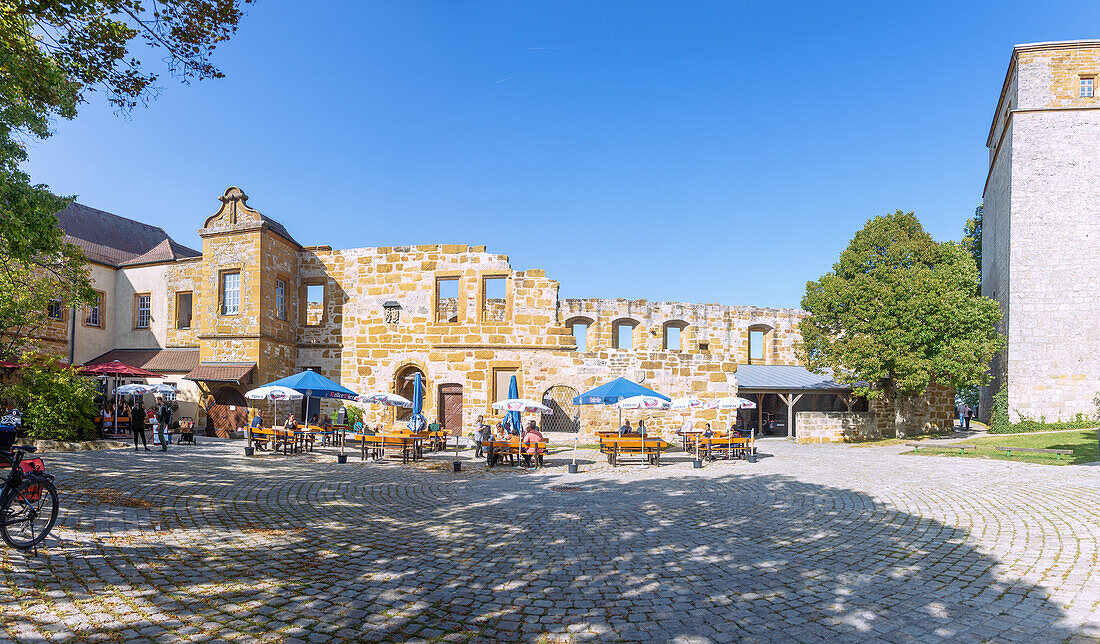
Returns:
(281,552)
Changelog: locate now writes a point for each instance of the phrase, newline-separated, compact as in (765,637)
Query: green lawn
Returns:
(1083,444)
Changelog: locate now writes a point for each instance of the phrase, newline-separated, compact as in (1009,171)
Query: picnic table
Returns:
(116,426)
(496,450)
(725,446)
(408,444)
(615,447)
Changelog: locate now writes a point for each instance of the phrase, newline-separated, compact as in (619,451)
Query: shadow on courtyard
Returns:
(726,556)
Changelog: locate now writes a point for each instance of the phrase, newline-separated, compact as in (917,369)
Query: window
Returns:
(494,305)
(673,331)
(142,314)
(1088,84)
(96,311)
(704,346)
(55,311)
(580,332)
(183,310)
(623,334)
(446,299)
(315,304)
(502,379)
(231,293)
(280,299)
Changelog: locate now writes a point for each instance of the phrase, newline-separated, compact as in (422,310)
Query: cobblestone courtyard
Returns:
(810,543)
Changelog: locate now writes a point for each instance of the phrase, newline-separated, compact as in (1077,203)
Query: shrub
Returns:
(56,401)
(355,415)
(999,422)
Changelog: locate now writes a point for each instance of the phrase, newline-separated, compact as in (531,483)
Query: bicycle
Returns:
(28,500)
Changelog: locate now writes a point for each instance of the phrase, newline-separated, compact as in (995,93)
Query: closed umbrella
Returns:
(512,420)
(416,421)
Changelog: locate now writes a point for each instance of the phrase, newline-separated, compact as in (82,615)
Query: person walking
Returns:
(137,426)
(478,424)
(960,409)
(164,417)
(968,414)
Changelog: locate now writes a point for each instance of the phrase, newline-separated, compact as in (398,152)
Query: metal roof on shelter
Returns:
(774,377)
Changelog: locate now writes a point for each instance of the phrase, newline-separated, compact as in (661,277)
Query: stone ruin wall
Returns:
(356,345)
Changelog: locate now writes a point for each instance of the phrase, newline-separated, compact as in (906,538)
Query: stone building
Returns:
(255,306)
(1041,230)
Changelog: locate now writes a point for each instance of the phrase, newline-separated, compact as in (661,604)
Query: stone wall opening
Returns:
(403,386)
(446,299)
(672,336)
(622,334)
(579,328)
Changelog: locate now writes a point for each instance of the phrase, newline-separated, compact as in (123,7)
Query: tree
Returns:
(52,53)
(897,313)
(972,240)
(55,400)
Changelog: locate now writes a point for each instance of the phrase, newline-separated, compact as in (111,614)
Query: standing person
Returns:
(478,424)
(969,413)
(137,426)
(484,434)
(961,410)
(164,418)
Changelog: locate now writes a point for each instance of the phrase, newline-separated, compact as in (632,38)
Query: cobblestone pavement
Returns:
(808,544)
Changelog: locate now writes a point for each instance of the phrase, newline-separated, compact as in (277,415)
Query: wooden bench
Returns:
(725,447)
(514,450)
(962,448)
(649,449)
(1059,453)
(276,435)
(377,445)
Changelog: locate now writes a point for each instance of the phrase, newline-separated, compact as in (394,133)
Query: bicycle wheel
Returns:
(28,514)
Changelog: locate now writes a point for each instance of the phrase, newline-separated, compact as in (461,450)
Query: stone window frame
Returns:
(633,324)
(137,311)
(1090,84)
(766,339)
(589,323)
(491,395)
(279,277)
(482,289)
(62,312)
(222,273)
(101,312)
(443,276)
(191,319)
(682,325)
(303,296)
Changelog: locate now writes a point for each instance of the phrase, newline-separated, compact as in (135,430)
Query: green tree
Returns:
(897,313)
(52,54)
(56,401)
(972,240)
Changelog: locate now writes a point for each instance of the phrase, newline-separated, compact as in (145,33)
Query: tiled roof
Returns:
(237,372)
(783,378)
(161,360)
(165,251)
(279,230)
(113,240)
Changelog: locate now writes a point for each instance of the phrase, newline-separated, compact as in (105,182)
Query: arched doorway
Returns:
(403,386)
(560,399)
(228,411)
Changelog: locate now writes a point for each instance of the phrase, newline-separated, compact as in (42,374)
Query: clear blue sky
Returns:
(703,152)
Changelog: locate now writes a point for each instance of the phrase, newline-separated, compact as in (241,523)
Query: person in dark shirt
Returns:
(137,426)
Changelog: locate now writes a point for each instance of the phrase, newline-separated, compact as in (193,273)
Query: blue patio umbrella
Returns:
(614,391)
(512,420)
(313,385)
(416,421)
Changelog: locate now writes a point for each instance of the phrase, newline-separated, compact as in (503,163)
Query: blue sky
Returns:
(701,152)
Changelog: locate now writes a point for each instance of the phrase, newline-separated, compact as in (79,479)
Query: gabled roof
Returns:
(162,360)
(784,378)
(112,240)
(166,251)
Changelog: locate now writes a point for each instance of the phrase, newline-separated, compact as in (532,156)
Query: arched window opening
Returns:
(579,328)
(673,335)
(622,336)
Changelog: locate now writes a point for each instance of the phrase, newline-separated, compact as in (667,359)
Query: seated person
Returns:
(531,448)
(626,429)
(259,441)
(501,434)
(326,422)
(707,432)
(641,427)
(312,421)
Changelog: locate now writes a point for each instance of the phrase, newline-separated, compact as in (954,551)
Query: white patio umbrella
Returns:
(522,405)
(133,389)
(385,399)
(275,393)
(163,389)
(643,402)
(687,403)
(731,402)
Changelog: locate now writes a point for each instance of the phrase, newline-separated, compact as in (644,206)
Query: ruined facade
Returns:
(1041,231)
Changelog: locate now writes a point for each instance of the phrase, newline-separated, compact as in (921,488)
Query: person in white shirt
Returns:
(687,427)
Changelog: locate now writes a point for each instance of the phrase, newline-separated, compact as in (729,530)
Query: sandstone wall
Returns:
(835,426)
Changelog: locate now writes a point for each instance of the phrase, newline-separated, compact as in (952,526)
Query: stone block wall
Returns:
(835,426)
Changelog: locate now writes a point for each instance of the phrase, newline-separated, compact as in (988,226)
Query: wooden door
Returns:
(229,411)
(450,407)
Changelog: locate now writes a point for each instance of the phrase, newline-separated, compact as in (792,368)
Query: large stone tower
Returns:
(1041,230)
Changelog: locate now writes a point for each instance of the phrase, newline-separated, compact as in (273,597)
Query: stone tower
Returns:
(1041,230)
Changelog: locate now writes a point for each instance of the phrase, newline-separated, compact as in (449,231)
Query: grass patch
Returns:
(880,442)
(1027,426)
(1082,443)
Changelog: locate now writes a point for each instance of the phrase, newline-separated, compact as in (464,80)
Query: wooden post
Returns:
(791,400)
